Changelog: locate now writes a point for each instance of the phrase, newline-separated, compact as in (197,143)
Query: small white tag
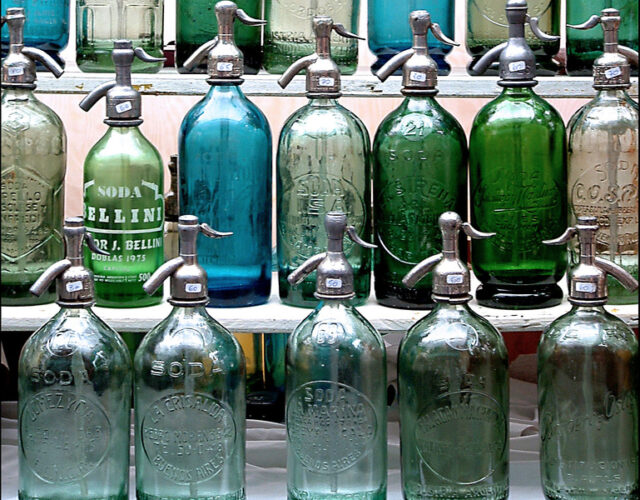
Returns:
(74,286)
(224,66)
(123,106)
(416,76)
(612,73)
(334,283)
(585,287)
(455,279)
(517,66)
(193,287)
(326,81)
(16,70)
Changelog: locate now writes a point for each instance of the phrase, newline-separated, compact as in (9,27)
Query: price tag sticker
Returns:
(15,70)
(193,287)
(455,279)
(612,73)
(585,287)
(416,76)
(517,66)
(74,286)
(224,66)
(123,106)
(334,283)
(326,81)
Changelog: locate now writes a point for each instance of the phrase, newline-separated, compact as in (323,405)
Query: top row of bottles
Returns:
(288,34)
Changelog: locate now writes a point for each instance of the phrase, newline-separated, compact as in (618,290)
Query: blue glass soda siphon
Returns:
(189,390)
(322,165)
(336,386)
(74,391)
(588,386)
(419,171)
(453,387)
(225,171)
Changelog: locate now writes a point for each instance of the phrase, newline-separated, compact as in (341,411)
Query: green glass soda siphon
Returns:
(189,390)
(518,180)
(74,391)
(123,192)
(419,171)
(322,165)
(453,387)
(172,212)
(336,386)
(603,157)
(588,386)
(34,160)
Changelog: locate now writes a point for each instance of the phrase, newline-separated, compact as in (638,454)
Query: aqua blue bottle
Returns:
(225,172)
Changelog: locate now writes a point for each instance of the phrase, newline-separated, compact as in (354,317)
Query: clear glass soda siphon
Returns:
(226,172)
(189,390)
(336,386)
(603,157)
(123,192)
(33,162)
(419,171)
(588,386)
(322,165)
(518,179)
(171,212)
(74,392)
(453,387)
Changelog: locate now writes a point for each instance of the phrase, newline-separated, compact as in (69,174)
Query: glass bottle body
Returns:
(419,172)
(225,180)
(487,27)
(34,161)
(584,46)
(603,181)
(453,390)
(288,34)
(99,23)
(74,402)
(189,397)
(390,33)
(322,166)
(196,24)
(124,212)
(518,176)
(588,405)
(335,363)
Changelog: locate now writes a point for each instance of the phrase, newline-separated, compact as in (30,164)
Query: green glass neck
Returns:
(518,92)
(418,103)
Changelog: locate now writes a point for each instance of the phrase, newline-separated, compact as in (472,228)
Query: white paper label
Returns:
(16,71)
(612,73)
(585,287)
(74,286)
(334,283)
(416,76)
(123,106)
(326,81)
(224,66)
(193,287)
(455,279)
(517,66)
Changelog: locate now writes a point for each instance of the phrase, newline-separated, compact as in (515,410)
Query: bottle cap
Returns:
(334,279)
(19,67)
(171,199)
(225,61)
(188,279)
(451,282)
(74,281)
(588,280)
(123,101)
(323,75)
(419,70)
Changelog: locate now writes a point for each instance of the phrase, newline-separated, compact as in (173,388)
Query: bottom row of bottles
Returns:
(188,377)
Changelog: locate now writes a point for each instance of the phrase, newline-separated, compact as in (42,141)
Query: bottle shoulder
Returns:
(117,147)
(324,120)
(605,115)
(30,115)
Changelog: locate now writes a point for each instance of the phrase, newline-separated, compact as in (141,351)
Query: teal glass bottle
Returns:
(518,179)
(33,163)
(453,387)
(123,193)
(336,387)
(323,164)
(419,171)
(588,386)
(226,172)
(74,392)
(189,390)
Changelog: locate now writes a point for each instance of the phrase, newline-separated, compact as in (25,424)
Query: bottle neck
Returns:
(611,95)
(419,103)
(518,92)
(588,309)
(322,102)
(189,312)
(17,94)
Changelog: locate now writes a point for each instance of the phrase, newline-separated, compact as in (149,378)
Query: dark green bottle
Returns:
(419,172)
(518,181)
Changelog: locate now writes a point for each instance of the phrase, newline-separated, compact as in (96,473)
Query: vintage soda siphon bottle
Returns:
(419,171)
(388,34)
(322,165)
(518,177)
(123,192)
(336,386)
(74,391)
(34,160)
(171,212)
(453,387)
(189,390)
(603,157)
(588,386)
(226,172)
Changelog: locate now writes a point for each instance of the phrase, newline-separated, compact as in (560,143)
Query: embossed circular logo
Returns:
(188,437)
(63,343)
(462,442)
(64,436)
(330,426)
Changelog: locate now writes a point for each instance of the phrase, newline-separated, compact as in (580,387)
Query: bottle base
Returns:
(552,493)
(403,298)
(238,495)
(67,496)
(247,294)
(19,295)
(518,297)
(296,494)
(126,301)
